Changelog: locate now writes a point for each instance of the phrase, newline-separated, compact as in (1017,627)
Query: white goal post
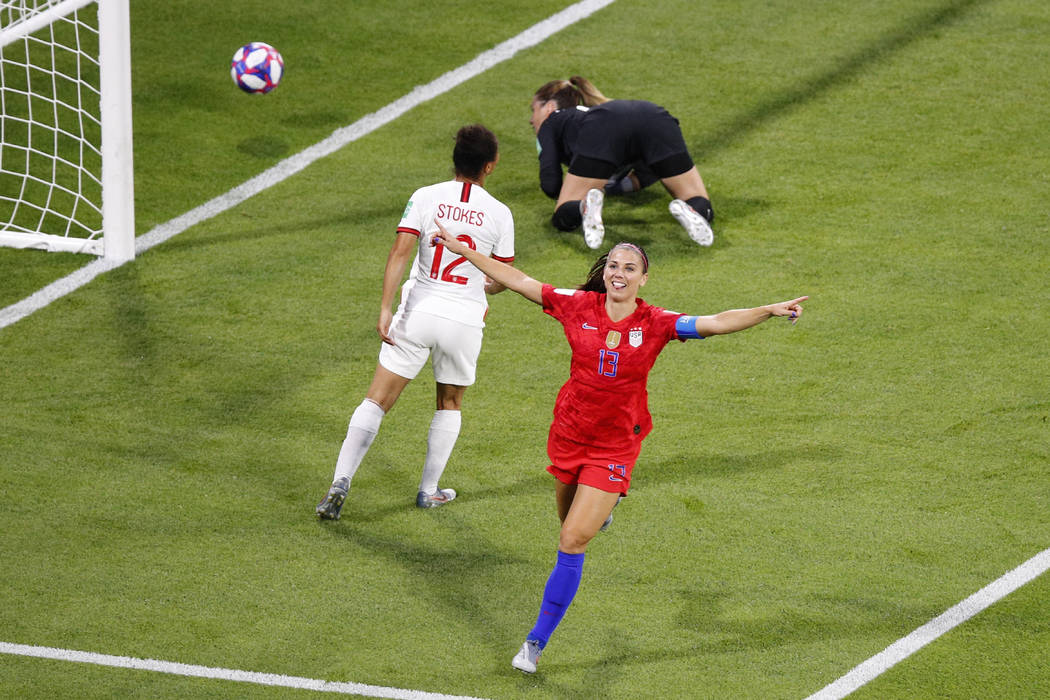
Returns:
(66,176)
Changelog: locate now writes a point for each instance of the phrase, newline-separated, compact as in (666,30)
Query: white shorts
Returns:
(455,346)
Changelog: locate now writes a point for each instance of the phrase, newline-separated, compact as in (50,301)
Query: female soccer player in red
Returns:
(601,414)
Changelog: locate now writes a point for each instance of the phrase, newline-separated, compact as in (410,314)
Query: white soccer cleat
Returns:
(526,658)
(433,500)
(694,224)
(593,228)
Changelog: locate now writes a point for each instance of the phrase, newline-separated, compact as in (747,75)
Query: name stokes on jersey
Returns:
(451,212)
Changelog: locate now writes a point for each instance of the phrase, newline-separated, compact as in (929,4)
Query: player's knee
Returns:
(449,397)
(573,541)
(567,217)
(702,206)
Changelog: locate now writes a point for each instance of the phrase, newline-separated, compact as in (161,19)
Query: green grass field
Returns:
(810,494)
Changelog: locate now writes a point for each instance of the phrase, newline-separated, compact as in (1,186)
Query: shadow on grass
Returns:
(455,570)
(719,635)
(444,558)
(728,208)
(236,233)
(357,511)
(699,463)
(920,27)
(824,619)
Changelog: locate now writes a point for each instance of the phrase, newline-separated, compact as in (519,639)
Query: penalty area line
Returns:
(530,37)
(226,674)
(949,619)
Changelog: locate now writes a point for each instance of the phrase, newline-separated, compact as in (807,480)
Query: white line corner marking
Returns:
(372,691)
(954,616)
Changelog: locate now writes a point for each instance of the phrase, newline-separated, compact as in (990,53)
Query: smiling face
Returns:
(541,109)
(625,272)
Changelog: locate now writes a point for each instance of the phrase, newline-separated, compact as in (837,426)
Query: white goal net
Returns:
(65,127)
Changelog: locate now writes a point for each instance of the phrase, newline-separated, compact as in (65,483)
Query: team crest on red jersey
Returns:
(634,337)
(612,340)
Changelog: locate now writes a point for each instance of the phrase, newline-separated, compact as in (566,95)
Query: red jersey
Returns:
(605,405)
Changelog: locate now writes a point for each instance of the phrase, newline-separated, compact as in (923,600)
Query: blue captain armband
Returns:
(685,327)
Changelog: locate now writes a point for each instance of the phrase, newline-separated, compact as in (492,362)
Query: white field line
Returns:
(956,615)
(226,674)
(859,676)
(293,164)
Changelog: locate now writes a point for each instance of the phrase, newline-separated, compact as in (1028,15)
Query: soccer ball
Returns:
(257,68)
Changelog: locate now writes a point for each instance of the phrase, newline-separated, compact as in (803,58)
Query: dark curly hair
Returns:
(475,148)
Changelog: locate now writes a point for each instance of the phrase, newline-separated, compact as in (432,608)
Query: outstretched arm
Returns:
(738,319)
(501,273)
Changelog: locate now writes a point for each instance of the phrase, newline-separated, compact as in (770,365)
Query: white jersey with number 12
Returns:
(441,283)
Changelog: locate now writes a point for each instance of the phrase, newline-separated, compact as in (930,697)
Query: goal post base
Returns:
(51,243)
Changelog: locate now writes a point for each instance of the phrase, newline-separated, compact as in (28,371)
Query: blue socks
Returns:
(558,594)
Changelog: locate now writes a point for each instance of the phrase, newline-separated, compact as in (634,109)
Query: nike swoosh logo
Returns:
(589,327)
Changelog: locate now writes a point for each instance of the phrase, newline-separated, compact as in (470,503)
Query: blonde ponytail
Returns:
(570,93)
(591,95)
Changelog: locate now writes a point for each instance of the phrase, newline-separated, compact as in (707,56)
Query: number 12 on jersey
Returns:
(446,275)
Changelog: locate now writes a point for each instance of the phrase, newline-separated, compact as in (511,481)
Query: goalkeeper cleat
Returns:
(695,225)
(527,656)
(433,500)
(593,228)
(332,503)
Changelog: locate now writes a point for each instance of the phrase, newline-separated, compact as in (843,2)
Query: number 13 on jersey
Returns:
(608,361)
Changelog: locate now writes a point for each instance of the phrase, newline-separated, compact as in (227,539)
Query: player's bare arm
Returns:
(499,272)
(396,262)
(738,319)
(492,286)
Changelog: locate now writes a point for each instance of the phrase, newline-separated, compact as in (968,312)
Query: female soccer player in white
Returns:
(441,313)
(601,414)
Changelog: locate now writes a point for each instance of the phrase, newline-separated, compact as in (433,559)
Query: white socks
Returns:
(444,431)
(364,425)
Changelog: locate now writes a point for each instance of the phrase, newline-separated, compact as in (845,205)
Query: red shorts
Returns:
(574,463)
